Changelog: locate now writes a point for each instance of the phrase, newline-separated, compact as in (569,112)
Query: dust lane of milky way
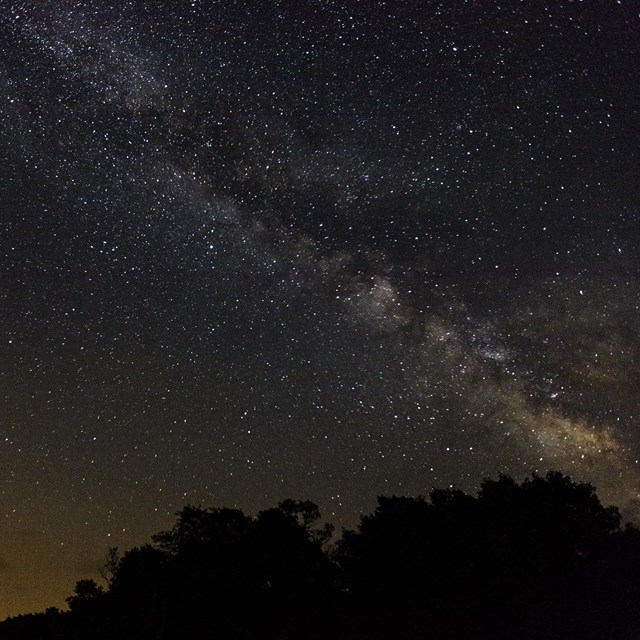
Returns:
(322,250)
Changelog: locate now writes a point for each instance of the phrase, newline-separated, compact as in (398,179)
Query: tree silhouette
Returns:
(296,576)
(522,558)
(198,529)
(538,559)
(85,594)
(111,560)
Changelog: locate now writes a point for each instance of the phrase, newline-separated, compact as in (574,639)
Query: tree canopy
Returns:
(541,558)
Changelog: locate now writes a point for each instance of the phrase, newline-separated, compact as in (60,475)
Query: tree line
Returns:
(538,559)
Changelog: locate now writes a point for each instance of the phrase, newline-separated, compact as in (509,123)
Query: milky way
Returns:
(323,250)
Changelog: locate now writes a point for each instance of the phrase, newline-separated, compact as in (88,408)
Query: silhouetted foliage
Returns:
(85,595)
(540,559)
(517,561)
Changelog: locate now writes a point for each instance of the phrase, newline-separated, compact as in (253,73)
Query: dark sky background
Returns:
(314,249)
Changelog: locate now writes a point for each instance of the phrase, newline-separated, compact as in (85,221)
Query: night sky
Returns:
(314,249)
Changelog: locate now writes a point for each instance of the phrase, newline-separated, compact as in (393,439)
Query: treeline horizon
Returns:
(538,559)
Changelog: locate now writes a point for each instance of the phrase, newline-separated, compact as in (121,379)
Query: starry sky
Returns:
(317,249)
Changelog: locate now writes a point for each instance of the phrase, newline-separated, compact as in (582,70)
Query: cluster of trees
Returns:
(540,559)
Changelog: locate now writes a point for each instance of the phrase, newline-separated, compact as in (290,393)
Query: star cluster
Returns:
(317,249)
